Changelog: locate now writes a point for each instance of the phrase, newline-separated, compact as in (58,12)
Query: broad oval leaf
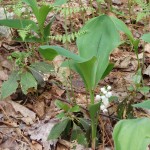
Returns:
(144,105)
(27,81)
(10,86)
(146,37)
(58,129)
(132,134)
(99,41)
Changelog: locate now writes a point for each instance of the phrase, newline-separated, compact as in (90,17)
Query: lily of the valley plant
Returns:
(92,62)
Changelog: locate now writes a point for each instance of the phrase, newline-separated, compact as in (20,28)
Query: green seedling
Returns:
(70,124)
(39,28)
(24,75)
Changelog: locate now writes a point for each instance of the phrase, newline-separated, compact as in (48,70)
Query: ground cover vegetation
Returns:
(75,74)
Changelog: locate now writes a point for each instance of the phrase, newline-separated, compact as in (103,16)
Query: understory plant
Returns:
(133,134)
(92,62)
(24,75)
(37,31)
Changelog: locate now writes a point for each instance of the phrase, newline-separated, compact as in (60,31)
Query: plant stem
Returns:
(93,122)
(92,96)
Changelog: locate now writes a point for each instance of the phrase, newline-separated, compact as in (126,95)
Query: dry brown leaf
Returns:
(39,108)
(36,146)
(6,64)
(147,71)
(28,115)
(40,132)
(147,48)
(3,75)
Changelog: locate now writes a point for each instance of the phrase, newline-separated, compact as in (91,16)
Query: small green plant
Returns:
(71,124)
(27,76)
(145,6)
(25,25)
(126,132)
(92,63)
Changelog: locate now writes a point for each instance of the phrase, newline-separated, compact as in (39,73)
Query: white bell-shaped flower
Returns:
(98,97)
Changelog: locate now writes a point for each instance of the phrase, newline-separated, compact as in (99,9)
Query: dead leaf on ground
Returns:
(40,132)
(28,115)
(147,71)
(147,48)
(3,75)
(39,108)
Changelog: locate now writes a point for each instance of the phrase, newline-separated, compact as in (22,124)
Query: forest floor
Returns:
(26,120)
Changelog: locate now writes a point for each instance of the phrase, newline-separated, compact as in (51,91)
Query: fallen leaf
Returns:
(40,132)
(3,75)
(147,48)
(39,108)
(6,64)
(147,71)
(28,115)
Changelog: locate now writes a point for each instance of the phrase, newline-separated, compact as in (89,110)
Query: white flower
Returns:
(103,97)
(102,107)
(106,102)
(105,111)
(105,92)
(103,89)
(108,94)
(108,87)
(98,97)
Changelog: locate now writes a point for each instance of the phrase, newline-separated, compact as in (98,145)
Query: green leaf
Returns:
(29,39)
(94,109)
(77,134)
(10,86)
(99,41)
(43,67)
(108,70)
(85,123)
(27,81)
(146,37)
(121,26)
(43,12)
(33,4)
(50,52)
(58,129)
(62,105)
(88,75)
(59,2)
(47,28)
(144,105)
(37,75)
(61,115)
(137,77)
(132,134)
(19,24)
(74,109)
(144,89)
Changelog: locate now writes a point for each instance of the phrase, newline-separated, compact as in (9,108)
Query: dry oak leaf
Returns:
(28,115)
